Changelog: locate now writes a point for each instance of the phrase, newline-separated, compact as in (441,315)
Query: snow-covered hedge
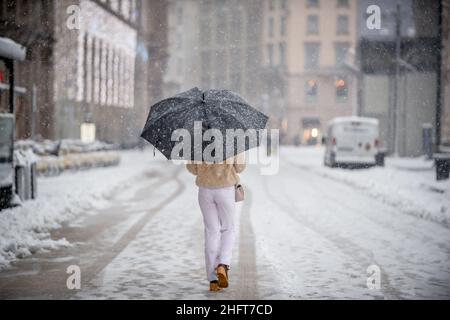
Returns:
(60,147)
(54,157)
(52,165)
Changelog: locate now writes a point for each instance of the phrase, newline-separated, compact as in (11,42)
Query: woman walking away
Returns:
(216,197)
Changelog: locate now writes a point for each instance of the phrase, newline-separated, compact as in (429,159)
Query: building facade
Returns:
(183,70)
(82,65)
(215,44)
(305,45)
(94,68)
(21,22)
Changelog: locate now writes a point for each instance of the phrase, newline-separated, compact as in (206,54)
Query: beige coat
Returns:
(218,175)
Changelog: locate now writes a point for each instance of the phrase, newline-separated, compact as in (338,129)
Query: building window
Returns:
(282,48)
(179,41)
(236,26)
(283,25)
(205,31)
(271,5)
(343,3)
(179,66)
(342,24)
(134,11)
(271,27)
(235,64)
(311,130)
(270,54)
(221,62)
(126,9)
(312,24)
(4,94)
(341,50)
(341,85)
(311,88)
(114,5)
(221,28)
(283,4)
(179,15)
(206,81)
(313,3)
(312,55)
(205,64)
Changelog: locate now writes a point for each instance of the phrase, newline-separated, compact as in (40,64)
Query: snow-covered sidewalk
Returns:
(406,183)
(307,232)
(25,230)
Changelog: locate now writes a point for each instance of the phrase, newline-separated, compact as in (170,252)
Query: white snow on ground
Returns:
(166,260)
(409,184)
(317,233)
(315,237)
(25,230)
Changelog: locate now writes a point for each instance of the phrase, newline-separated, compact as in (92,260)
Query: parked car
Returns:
(10,51)
(352,141)
(6,159)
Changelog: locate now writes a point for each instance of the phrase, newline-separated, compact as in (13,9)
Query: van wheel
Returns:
(333,161)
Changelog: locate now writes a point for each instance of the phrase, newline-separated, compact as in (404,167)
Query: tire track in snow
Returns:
(420,234)
(395,228)
(367,192)
(357,253)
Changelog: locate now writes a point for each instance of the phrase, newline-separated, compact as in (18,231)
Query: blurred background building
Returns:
(303,62)
(305,46)
(183,67)
(215,44)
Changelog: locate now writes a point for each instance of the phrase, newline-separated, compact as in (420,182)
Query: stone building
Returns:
(90,61)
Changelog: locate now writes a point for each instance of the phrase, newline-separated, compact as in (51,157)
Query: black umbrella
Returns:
(222,110)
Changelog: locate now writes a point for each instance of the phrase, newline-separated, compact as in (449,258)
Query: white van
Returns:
(352,141)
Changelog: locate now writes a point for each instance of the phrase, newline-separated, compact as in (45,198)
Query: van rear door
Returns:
(345,139)
(365,135)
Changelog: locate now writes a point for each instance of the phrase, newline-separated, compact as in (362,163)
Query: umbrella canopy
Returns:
(205,114)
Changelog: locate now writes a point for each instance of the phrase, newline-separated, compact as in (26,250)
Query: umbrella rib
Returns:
(241,103)
(150,120)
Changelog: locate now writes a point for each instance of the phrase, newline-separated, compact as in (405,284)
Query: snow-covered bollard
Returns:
(25,174)
(442,164)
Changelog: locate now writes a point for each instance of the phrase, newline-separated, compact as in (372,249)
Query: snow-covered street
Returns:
(308,232)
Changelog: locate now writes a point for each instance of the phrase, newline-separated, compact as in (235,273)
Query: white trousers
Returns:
(218,209)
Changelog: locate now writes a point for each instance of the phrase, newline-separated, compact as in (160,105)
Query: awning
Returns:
(311,122)
(12,50)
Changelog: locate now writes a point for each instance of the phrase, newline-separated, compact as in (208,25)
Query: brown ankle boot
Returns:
(222,275)
(214,286)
